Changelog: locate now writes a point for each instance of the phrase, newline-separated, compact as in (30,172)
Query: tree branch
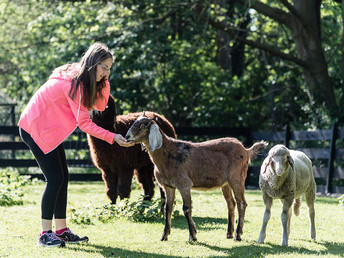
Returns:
(295,13)
(272,12)
(272,50)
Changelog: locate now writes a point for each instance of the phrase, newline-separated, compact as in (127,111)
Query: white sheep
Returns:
(220,163)
(287,175)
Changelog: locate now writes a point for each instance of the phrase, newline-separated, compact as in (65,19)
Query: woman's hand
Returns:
(122,141)
(107,75)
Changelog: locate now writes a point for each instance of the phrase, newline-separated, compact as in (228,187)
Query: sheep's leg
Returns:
(289,220)
(187,209)
(227,194)
(286,210)
(239,191)
(145,177)
(310,198)
(170,195)
(111,181)
(267,215)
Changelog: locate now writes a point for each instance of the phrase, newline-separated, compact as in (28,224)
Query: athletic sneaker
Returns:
(49,239)
(69,237)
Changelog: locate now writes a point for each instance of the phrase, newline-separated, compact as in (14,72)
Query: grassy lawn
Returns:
(20,226)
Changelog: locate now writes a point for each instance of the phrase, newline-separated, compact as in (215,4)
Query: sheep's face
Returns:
(280,160)
(139,131)
(279,164)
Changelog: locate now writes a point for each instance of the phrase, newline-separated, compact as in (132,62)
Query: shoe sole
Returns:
(57,245)
(76,242)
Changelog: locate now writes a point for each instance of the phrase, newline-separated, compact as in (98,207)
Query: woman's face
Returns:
(103,69)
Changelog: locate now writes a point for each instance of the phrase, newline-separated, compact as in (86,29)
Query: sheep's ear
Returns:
(267,164)
(290,161)
(155,137)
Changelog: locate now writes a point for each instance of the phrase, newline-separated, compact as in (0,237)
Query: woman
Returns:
(53,113)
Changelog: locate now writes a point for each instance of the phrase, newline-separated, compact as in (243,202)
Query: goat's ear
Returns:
(290,161)
(155,137)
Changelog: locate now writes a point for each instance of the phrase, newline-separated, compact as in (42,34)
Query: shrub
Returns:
(135,211)
(11,187)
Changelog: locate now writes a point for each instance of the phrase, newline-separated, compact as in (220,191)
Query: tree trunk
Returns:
(307,37)
(343,40)
(223,50)
(303,20)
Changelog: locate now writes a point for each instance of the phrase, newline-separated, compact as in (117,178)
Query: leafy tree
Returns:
(301,21)
(169,57)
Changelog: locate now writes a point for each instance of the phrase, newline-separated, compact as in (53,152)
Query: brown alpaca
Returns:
(220,163)
(118,164)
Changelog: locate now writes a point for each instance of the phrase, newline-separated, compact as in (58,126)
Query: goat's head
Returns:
(107,117)
(146,131)
(279,159)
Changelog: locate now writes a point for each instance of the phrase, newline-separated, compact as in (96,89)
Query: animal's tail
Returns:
(297,205)
(256,149)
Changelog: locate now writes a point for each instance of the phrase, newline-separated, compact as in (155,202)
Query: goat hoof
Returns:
(229,236)
(237,238)
(163,238)
(192,239)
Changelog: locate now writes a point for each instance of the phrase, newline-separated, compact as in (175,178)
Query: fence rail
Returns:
(324,147)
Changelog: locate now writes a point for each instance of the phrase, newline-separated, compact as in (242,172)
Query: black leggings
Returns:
(55,170)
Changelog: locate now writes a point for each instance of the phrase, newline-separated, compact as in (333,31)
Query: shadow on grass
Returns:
(254,250)
(202,223)
(107,251)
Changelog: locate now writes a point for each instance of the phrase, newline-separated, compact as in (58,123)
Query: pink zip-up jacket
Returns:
(51,115)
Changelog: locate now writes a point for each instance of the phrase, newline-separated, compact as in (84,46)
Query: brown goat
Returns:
(118,164)
(220,163)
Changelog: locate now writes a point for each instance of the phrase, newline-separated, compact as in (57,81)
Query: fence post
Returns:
(287,135)
(330,166)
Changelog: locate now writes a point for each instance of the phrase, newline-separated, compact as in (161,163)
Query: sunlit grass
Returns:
(20,226)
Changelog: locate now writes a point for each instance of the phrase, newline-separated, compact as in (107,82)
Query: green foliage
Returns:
(166,60)
(138,211)
(11,187)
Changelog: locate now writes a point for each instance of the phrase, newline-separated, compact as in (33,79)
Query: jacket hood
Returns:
(65,72)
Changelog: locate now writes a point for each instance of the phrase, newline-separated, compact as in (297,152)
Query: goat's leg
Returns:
(111,181)
(239,193)
(310,198)
(227,194)
(145,177)
(170,195)
(286,210)
(267,215)
(187,209)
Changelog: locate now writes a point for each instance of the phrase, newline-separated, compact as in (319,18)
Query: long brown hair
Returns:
(87,74)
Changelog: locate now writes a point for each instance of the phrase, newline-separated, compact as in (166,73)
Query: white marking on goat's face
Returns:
(139,130)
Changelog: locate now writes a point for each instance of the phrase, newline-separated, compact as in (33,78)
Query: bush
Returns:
(134,211)
(11,184)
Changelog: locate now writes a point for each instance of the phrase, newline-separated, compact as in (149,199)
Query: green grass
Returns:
(20,226)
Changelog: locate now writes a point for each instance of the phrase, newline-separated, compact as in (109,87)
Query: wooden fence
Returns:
(324,147)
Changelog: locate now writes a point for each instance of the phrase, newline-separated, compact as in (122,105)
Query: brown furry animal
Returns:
(117,163)
(220,163)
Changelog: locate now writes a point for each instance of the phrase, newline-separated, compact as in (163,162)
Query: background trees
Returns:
(260,64)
